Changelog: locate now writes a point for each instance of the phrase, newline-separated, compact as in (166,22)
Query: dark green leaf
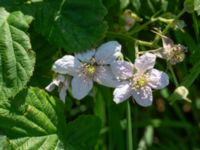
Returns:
(189,5)
(82,133)
(72,24)
(192,76)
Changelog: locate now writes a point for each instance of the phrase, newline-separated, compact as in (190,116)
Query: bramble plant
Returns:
(72,72)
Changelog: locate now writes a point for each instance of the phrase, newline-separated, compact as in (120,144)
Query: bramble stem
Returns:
(173,75)
(129,128)
(157,38)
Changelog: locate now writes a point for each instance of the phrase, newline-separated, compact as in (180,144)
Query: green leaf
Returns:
(72,24)
(197,6)
(136,4)
(42,75)
(192,76)
(83,130)
(189,5)
(34,120)
(4,143)
(16,57)
(192,5)
(124,3)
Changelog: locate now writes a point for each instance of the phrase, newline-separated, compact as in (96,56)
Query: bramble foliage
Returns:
(36,33)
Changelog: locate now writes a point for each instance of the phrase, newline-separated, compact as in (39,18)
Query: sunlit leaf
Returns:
(16,57)
(34,120)
(197,6)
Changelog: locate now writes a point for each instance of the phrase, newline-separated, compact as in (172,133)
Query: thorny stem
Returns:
(141,27)
(157,38)
(152,19)
(121,36)
(177,109)
(129,128)
(152,51)
(126,36)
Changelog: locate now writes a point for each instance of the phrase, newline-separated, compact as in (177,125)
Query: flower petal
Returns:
(158,79)
(161,53)
(122,69)
(50,87)
(122,92)
(63,93)
(143,96)
(145,62)
(81,86)
(108,52)
(105,76)
(167,42)
(66,65)
(63,89)
(59,78)
(85,57)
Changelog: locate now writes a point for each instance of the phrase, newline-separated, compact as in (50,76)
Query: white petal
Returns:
(122,69)
(63,93)
(85,57)
(50,87)
(143,96)
(145,62)
(167,42)
(122,92)
(63,90)
(105,76)
(59,78)
(161,53)
(81,86)
(158,79)
(108,52)
(66,65)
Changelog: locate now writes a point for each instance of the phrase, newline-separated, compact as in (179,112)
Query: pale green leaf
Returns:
(197,6)
(16,57)
(33,120)
(4,143)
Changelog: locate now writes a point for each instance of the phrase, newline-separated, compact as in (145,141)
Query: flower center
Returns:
(139,81)
(89,69)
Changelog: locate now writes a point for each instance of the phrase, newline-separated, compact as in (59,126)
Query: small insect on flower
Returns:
(138,80)
(173,53)
(62,82)
(93,65)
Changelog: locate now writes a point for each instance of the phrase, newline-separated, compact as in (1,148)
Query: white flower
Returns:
(138,80)
(62,82)
(174,53)
(90,66)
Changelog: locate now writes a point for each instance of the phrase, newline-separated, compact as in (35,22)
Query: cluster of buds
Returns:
(128,19)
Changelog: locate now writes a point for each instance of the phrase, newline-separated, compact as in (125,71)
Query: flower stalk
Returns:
(129,128)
